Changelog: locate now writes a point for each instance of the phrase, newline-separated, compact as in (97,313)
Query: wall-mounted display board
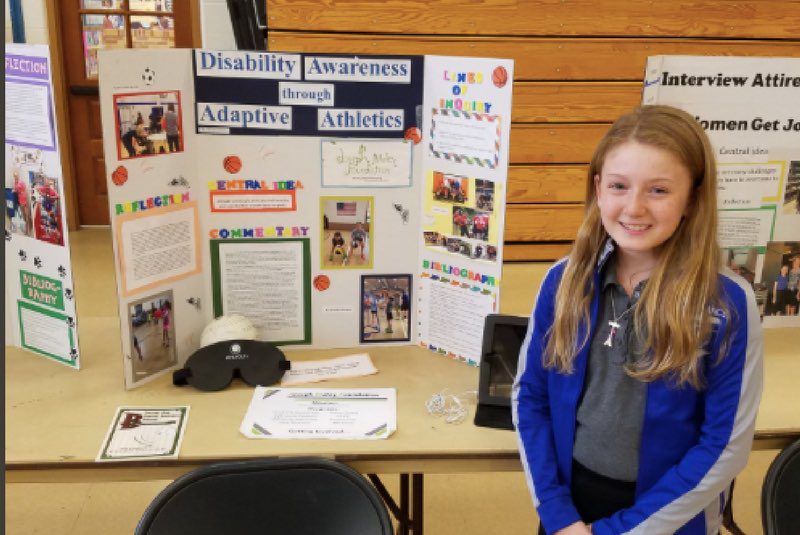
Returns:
(39,295)
(334,200)
(750,108)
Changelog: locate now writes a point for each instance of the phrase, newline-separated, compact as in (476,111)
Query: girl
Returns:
(641,372)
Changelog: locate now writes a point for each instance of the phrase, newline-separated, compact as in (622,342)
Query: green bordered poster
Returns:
(46,332)
(267,281)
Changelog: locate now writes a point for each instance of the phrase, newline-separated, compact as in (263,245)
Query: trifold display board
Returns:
(750,108)
(39,296)
(334,200)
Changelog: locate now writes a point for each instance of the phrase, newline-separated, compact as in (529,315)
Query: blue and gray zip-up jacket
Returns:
(693,442)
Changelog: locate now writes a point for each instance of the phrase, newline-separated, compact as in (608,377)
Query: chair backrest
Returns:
(276,496)
(780,496)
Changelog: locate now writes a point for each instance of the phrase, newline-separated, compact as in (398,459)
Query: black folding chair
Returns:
(276,496)
(780,495)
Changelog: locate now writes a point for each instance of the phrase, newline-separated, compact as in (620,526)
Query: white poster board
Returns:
(750,109)
(312,178)
(40,298)
(465,171)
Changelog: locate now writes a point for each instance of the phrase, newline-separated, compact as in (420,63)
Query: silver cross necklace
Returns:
(614,324)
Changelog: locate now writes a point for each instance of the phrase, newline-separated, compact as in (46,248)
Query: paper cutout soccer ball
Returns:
(149,76)
(231,327)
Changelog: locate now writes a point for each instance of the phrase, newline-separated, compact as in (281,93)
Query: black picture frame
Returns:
(381,296)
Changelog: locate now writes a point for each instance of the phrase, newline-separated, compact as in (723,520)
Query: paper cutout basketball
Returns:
(499,76)
(232,164)
(322,282)
(119,176)
(413,134)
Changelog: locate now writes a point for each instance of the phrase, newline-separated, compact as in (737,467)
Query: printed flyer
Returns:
(300,190)
(317,413)
(40,299)
(750,108)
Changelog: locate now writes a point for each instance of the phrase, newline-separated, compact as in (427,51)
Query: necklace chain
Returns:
(614,311)
(614,323)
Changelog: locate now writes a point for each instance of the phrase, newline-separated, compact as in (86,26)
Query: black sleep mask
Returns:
(214,366)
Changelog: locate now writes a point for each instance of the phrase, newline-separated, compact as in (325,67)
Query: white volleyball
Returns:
(230,327)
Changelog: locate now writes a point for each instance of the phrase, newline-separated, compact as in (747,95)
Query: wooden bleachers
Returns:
(578,66)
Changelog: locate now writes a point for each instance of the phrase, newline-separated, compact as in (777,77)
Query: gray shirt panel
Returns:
(611,410)
(171,120)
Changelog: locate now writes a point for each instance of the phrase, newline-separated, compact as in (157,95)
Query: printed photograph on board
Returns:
(48,221)
(450,188)
(385,308)
(459,216)
(347,233)
(152,328)
(742,261)
(19,196)
(19,218)
(469,223)
(791,197)
(148,124)
(780,276)
(774,274)
(434,238)
(484,195)
(33,201)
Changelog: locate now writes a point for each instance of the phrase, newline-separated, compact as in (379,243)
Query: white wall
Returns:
(34,13)
(215,22)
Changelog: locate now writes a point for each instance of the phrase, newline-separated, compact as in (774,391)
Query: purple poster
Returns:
(29,116)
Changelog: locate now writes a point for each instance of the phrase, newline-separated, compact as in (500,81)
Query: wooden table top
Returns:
(57,417)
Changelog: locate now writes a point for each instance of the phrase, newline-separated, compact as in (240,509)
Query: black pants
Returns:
(127,142)
(174,142)
(597,496)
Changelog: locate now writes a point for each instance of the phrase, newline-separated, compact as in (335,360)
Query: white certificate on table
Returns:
(138,433)
(315,413)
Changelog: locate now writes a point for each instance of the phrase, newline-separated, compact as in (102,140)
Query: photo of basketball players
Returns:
(385,308)
(347,232)
(791,196)
(152,327)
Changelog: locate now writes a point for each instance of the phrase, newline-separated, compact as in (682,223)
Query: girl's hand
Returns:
(578,528)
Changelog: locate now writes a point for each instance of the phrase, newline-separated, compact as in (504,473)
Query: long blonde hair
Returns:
(672,314)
